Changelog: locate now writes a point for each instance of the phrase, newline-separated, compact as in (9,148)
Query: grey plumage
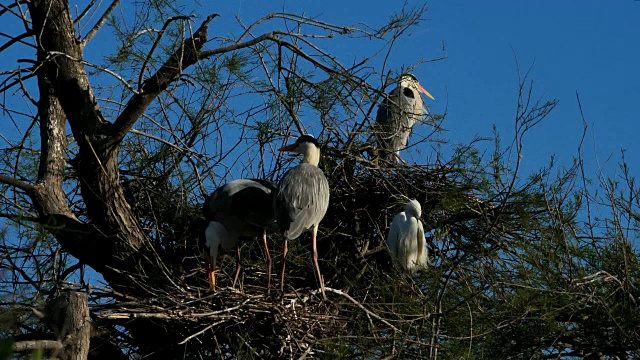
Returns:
(244,206)
(240,208)
(302,198)
(396,115)
(296,210)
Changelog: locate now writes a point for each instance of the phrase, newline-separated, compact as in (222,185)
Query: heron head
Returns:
(215,235)
(306,145)
(413,207)
(410,81)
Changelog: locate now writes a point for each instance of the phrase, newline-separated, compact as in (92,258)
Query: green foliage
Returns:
(6,348)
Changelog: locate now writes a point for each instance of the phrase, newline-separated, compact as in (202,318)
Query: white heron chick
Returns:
(406,240)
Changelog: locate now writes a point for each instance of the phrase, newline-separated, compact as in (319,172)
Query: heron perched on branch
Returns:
(302,198)
(241,208)
(396,116)
(406,239)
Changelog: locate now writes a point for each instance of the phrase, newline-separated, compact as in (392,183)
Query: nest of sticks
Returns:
(371,303)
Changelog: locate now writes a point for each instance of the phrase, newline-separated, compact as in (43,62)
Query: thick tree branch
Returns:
(54,31)
(186,55)
(17,183)
(37,344)
(50,197)
(155,46)
(115,237)
(68,317)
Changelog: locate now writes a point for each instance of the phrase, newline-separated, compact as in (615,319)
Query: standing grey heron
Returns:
(396,116)
(241,208)
(302,198)
(406,240)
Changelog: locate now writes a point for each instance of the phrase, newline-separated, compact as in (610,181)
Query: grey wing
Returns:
(219,201)
(395,118)
(244,206)
(409,106)
(301,199)
(388,109)
(253,204)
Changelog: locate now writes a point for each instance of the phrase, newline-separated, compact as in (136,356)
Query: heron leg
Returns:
(284,262)
(315,260)
(211,274)
(235,279)
(266,250)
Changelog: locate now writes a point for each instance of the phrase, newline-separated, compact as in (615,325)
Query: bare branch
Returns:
(369,312)
(156,43)
(16,39)
(17,183)
(84,12)
(268,36)
(37,344)
(186,55)
(99,23)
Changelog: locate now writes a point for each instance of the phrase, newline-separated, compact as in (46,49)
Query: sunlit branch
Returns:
(99,23)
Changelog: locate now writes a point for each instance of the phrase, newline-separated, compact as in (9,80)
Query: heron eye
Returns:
(408,93)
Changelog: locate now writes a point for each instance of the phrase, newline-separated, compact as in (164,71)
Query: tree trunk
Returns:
(68,316)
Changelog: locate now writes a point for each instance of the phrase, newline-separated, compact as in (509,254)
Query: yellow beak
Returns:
(290,147)
(211,273)
(424,91)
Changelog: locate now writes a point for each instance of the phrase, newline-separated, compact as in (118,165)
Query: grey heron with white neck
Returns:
(397,114)
(241,208)
(302,198)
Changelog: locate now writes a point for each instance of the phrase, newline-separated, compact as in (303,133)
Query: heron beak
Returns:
(211,274)
(423,90)
(290,147)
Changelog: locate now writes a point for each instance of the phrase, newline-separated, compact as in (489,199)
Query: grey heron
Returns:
(240,208)
(396,116)
(302,198)
(406,239)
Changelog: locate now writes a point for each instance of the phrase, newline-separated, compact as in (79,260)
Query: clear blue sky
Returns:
(589,47)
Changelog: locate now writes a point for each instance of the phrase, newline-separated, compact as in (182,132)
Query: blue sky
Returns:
(587,47)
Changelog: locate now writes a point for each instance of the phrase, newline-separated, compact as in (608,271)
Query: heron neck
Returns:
(413,210)
(311,156)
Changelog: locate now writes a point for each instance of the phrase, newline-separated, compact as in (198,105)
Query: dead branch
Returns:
(37,344)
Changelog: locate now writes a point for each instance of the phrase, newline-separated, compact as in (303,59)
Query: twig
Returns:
(99,23)
(369,312)
(155,45)
(200,332)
